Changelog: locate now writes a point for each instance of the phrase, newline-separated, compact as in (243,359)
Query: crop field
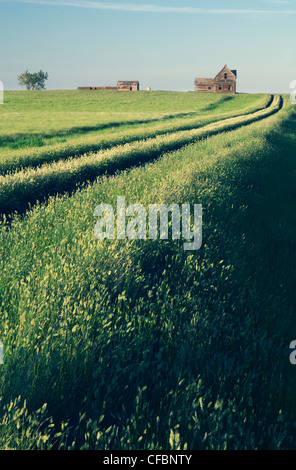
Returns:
(139,344)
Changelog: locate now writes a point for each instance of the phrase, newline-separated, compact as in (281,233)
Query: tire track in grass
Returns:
(7,140)
(19,190)
(36,157)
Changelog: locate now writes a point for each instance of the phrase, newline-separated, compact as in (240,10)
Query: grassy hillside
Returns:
(139,344)
(42,114)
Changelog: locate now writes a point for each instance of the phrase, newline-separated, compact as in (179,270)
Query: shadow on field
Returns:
(192,343)
(55,183)
(25,140)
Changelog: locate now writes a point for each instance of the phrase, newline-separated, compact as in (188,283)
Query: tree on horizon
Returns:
(33,81)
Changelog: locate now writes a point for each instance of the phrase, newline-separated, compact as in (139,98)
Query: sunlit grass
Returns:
(141,345)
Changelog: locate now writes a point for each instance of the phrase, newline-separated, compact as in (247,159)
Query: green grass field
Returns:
(121,344)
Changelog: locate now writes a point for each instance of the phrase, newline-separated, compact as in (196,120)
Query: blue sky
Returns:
(163,44)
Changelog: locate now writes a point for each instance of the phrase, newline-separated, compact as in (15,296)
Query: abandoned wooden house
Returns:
(224,82)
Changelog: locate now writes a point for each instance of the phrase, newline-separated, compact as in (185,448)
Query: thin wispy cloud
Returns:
(278,2)
(130,7)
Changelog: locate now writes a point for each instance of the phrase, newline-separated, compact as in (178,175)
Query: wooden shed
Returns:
(128,85)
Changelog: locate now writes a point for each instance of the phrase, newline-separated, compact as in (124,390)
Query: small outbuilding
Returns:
(128,86)
(121,86)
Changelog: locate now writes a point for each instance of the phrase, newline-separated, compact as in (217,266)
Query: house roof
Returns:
(204,81)
(127,82)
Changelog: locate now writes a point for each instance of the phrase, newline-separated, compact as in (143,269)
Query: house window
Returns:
(230,88)
(225,76)
(209,87)
(220,87)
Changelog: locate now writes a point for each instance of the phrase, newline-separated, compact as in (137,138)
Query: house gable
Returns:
(225,74)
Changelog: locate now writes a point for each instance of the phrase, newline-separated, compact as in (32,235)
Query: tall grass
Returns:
(115,133)
(29,185)
(140,345)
